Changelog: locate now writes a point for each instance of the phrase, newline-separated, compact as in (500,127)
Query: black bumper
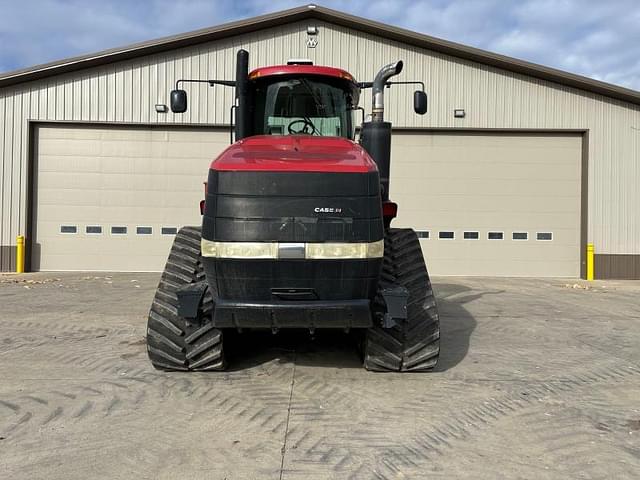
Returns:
(298,314)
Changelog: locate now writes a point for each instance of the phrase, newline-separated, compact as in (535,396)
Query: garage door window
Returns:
(422,233)
(68,229)
(93,230)
(544,236)
(169,230)
(471,235)
(495,235)
(144,230)
(520,236)
(446,235)
(118,230)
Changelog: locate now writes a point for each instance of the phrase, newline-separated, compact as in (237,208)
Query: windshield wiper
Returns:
(319,105)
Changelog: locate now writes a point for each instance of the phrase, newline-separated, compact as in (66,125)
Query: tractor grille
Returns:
(260,210)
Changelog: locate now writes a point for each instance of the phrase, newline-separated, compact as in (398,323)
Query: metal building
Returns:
(515,168)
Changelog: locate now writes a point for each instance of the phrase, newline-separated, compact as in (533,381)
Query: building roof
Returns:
(331,16)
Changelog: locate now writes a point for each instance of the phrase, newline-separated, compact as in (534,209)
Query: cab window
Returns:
(302,106)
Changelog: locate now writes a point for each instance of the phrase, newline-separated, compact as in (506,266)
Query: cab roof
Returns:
(301,70)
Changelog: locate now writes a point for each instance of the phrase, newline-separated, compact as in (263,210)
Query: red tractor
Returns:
(296,228)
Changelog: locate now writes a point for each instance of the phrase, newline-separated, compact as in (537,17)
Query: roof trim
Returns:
(332,16)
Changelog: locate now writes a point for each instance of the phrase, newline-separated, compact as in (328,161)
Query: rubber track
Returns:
(413,344)
(173,343)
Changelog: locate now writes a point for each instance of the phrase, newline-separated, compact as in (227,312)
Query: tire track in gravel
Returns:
(245,395)
(31,334)
(569,441)
(349,452)
(47,409)
(462,425)
(253,397)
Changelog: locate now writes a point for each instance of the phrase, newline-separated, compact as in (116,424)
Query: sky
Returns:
(596,38)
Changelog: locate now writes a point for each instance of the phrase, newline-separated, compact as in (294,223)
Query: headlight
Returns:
(239,249)
(312,251)
(344,250)
(375,249)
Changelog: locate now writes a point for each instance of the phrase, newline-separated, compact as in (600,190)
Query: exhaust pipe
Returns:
(375,136)
(385,73)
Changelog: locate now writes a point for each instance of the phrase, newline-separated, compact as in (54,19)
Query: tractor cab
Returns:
(302,99)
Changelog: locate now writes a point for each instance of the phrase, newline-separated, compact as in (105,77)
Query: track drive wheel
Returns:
(174,342)
(412,345)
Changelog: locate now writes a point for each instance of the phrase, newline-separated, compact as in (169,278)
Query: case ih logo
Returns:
(327,210)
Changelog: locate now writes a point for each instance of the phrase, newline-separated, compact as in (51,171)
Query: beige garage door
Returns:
(490,203)
(111,198)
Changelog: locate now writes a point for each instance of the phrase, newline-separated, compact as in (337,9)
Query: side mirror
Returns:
(178,101)
(419,102)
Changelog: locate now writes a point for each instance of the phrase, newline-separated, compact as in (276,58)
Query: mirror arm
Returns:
(364,85)
(416,82)
(226,83)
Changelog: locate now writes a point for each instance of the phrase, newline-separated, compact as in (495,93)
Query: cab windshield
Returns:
(303,106)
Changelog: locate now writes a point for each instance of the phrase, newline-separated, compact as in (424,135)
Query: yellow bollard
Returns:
(590,267)
(20,254)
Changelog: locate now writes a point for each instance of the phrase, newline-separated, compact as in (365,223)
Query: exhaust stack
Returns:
(385,73)
(375,137)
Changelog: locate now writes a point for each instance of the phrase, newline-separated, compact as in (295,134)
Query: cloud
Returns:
(593,38)
(46,30)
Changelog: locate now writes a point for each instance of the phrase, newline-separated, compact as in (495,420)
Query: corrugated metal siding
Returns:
(127,92)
